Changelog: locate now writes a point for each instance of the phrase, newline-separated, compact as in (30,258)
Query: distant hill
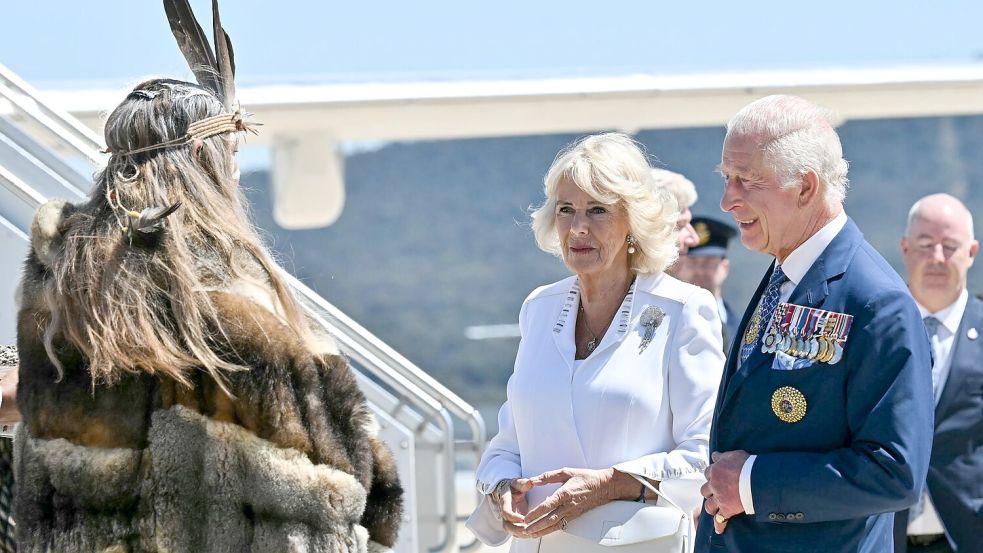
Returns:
(435,237)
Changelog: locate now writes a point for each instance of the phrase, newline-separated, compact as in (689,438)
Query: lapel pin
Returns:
(972,334)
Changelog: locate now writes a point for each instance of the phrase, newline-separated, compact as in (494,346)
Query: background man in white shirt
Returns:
(939,248)
(822,427)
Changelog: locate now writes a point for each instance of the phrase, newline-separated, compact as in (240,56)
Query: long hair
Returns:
(145,307)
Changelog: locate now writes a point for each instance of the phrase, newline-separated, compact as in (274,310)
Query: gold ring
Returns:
(563,523)
(719,518)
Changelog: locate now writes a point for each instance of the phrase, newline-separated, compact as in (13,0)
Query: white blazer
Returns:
(645,411)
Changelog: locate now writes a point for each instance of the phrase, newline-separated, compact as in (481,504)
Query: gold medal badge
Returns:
(788,404)
(753,326)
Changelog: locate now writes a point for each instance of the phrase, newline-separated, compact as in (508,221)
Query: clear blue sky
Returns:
(47,42)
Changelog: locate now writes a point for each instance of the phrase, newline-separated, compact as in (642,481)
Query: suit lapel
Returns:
(965,354)
(566,321)
(811,291)
(734,355)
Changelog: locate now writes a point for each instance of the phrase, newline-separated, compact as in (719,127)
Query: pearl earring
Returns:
(631,244)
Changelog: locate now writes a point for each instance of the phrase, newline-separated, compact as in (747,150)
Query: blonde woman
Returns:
(618,366)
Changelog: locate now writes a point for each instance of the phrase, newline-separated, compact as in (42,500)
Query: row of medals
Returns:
(822,346)
(788,403)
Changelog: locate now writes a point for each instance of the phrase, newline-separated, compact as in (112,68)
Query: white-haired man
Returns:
(684,191)
(822,427)
(939,248)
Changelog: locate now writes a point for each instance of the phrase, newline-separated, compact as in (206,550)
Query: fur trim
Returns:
(200,486)
(217,487)
(46,229)
(286,463)
(378,548)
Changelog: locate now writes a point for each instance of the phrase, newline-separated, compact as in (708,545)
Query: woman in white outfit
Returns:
(619,364)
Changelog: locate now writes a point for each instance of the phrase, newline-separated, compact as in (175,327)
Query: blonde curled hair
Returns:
(613,169)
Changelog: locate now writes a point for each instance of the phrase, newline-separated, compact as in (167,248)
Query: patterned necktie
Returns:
(932,326)
(761,317)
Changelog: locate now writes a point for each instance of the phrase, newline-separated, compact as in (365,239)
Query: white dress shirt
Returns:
(642,409)
(796,265)
(928,521)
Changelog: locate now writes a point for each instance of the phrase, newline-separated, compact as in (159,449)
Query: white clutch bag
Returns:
(625,527)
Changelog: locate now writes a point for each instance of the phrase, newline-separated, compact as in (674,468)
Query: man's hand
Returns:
(722,490)
(581,491)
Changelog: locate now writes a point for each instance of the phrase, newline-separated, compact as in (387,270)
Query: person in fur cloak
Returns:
(174,395)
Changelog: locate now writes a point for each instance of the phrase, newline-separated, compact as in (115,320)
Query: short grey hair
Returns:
(916,209)
(796,136)
(613,169)
(678,185)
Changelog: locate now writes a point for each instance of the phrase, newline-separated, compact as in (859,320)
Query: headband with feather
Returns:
(214,70)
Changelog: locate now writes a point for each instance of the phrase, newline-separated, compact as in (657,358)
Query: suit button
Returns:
(772,516)
(799,516)
(790,516)
(779,516)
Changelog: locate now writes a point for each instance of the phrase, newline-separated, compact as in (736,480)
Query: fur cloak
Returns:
(287,463)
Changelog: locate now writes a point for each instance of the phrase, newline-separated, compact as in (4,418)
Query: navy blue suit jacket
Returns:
(955,472)
(832,481)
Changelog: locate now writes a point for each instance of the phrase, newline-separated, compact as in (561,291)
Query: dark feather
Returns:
(225,59)
(193,43)
(151,217)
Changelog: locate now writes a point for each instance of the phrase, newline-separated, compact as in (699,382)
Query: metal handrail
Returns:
(361,343)
(69,129)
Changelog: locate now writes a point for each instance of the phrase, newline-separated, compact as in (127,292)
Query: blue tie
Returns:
(761,318)
(932,326)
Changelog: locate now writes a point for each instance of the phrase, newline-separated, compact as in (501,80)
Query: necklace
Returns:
(592,343)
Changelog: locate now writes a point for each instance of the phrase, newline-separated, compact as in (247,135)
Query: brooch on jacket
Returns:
(650,320)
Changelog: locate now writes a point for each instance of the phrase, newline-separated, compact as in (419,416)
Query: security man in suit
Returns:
(706,265)
(823,422)
(939,249)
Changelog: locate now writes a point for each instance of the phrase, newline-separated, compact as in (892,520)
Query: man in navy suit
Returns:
(823,422)
(939,249)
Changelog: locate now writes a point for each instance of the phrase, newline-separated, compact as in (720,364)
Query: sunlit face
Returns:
(938,253)
(592,234)
(768,216)
(707,271)
(686,233)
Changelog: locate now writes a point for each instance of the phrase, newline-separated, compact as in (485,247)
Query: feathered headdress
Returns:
(214,70)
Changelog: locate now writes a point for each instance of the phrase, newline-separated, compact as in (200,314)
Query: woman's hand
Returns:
(581,491)
(509,501)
